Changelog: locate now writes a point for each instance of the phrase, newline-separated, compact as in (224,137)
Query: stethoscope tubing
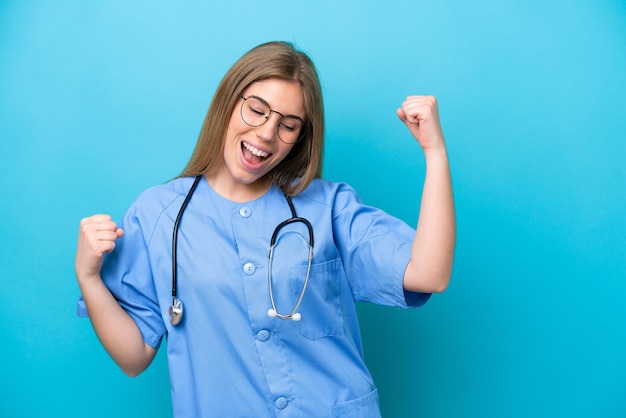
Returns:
(175,236)
(176,309)
(273,311)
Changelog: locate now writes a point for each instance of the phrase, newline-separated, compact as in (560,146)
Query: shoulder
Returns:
(153,202)
(332,194)
(160,197)
(164,194)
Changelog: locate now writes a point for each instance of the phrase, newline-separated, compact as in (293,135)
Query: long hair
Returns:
(270,60)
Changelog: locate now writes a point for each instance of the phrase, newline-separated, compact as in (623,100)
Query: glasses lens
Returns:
(289,129)
(254,112)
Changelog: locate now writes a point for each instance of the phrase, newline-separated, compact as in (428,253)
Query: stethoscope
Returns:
(176,310)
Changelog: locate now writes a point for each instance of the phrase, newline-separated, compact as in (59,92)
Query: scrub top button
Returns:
(263,335)
(249,268)
(281,403)
(245,212)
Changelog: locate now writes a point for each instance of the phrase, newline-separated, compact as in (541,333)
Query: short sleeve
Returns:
(128,275)
(375,248)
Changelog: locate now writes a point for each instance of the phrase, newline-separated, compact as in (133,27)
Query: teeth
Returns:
(255,151)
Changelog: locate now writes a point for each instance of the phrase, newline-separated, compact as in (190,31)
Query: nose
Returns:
(269,130)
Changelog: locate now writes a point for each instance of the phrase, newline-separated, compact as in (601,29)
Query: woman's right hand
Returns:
(117,331)
(96,237)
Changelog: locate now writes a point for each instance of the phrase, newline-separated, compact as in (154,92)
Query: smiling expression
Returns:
(252,152)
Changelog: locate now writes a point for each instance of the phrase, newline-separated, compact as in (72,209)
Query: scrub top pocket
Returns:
(364,407)
(321,306)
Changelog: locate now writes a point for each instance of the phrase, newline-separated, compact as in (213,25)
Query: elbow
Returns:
(133,367)
(434,285)
(441,285)
(132,371)
(441,281)
(427,281)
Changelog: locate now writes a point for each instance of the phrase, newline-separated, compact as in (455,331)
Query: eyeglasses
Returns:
(255,112)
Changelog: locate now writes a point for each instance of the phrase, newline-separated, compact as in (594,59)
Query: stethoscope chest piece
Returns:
(176,311)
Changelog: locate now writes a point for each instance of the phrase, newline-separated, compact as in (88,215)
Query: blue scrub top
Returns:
(228,357)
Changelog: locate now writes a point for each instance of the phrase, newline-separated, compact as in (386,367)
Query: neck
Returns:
(236,191)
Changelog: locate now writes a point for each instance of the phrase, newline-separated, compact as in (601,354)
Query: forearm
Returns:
(432,252)
(115,329)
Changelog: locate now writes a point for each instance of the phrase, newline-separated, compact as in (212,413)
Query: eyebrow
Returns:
(276,111)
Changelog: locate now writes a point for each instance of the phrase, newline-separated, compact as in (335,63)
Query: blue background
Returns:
(99,100)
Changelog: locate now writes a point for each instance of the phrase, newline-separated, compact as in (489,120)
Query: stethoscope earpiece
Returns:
(297,316)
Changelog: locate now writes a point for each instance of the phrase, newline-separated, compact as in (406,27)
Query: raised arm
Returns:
(116,330)
(432,253)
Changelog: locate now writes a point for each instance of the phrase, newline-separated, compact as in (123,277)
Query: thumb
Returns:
(412,126)
(119,232)
(401,115)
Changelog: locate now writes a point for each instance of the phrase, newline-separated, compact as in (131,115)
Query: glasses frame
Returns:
(267,117)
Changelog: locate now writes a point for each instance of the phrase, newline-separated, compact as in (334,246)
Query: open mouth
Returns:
(253,154)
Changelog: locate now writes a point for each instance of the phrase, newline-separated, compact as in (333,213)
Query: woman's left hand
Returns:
(421,116)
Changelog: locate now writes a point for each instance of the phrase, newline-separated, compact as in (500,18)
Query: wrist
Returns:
(438,153)
(85,278)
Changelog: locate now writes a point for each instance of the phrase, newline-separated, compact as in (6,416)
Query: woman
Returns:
(258,335)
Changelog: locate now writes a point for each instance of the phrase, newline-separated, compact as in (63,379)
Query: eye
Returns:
(258,110)
(290,123)
(257,107)
(288,126)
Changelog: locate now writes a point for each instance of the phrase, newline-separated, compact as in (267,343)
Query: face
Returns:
(251,152)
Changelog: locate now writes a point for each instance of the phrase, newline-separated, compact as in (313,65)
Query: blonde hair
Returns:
(270,60)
